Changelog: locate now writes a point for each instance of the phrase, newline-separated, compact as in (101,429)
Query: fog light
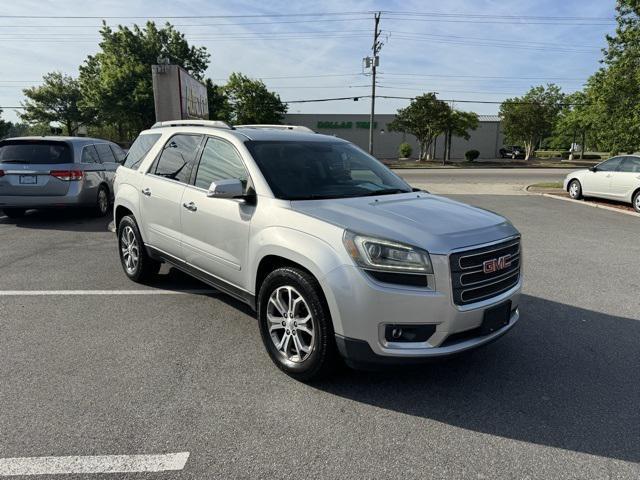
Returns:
(402,333)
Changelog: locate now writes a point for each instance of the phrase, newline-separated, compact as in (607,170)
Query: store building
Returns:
(487,138)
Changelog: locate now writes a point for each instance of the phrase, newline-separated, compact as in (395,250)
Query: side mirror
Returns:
(593,169)
(231,188)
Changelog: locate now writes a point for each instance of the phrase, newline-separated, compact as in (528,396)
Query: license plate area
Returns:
(496,317)
(28,180)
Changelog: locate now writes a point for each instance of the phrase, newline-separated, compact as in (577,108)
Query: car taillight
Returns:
(67,175)
(1,173)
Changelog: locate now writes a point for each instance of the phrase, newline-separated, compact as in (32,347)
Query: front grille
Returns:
(472,283)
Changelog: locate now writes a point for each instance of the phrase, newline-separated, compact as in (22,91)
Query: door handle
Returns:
(190,206)
(146,191)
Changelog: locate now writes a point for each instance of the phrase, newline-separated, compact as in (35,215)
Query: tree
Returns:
(116,82)
(219,107)
(425,118)
(5,126)
(251,101)
(574,122)
(458,123)
(532,117)
(56,100)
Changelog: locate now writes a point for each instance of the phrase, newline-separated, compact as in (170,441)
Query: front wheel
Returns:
(295,324)
(136,263)
(575,190)
(636,202)
(102,202)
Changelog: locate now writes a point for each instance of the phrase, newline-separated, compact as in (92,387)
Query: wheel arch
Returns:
(571,181)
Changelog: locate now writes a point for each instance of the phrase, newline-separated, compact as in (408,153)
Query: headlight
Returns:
(384,255)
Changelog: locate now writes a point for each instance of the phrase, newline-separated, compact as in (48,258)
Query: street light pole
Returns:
(374,64)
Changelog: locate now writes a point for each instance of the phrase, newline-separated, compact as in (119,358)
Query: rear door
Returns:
(161,194)
(27,165)
(598,183)
(626,179)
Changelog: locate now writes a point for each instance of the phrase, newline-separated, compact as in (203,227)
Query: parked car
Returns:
(512,151)
(615,179)
(48,172)
(337,254)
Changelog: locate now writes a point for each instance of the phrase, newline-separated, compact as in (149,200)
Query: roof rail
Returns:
(193,123)
(299,128)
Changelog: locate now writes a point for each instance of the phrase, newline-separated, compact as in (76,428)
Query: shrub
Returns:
(471,155)
(405,150)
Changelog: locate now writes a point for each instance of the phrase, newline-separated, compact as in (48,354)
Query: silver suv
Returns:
(337,254)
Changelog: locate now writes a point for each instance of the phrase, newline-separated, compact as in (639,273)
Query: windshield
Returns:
(34,152)
(312,170)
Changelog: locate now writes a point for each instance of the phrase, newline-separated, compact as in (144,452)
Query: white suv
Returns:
(336,253)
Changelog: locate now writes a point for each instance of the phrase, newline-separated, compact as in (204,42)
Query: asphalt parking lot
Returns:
(175,367)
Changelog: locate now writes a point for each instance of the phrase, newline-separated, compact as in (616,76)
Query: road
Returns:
(480,180)
(132,369)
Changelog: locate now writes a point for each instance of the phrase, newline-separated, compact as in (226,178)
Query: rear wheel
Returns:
(295,324)
(14,212)
(575,190)
(136,263)
(102,202)
(636,202)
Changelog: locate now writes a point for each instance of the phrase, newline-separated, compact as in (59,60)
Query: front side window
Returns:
(630,165)
(118,153)
(90,155)
(610,165)
(105,153)
(312,170)
(177,158)
(220,161)
(139,149)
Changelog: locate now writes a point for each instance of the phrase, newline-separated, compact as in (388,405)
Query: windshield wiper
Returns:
(385,191)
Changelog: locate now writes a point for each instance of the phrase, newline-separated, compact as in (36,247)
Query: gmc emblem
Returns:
(496,264)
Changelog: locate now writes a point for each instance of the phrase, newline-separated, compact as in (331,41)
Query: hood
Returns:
(433,223)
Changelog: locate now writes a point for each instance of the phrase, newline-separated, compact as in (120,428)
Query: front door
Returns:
(598,182)
(216,230)
(161,194)
(626,179)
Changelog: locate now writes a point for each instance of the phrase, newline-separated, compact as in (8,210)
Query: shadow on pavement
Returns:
(77,220)
(565,377)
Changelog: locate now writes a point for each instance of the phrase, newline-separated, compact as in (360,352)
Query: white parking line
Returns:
(92,464)
(156,291)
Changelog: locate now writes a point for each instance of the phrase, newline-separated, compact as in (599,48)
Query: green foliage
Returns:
(56,100)
(530,118)
(459,123)
(405,150)
(471,155)
(5,126)
(219,107)
(251,101)
(116,82)
(425,118)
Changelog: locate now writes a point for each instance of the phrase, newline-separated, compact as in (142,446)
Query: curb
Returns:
(593,205)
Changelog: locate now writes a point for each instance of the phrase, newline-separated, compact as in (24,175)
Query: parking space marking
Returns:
(92,464)
(157,291)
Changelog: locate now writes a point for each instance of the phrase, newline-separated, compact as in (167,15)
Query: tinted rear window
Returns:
(35,152)
(139,149)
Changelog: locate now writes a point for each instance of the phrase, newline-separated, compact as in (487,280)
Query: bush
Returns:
(576,156)
(405,150)
(471,155)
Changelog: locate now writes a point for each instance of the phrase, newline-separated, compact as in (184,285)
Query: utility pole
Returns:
(377,45)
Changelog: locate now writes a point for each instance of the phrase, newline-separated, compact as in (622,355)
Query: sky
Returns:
(465,50)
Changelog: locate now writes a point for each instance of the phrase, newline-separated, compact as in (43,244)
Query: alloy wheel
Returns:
(291,325)
(573,190)
(103,201)
(130,250)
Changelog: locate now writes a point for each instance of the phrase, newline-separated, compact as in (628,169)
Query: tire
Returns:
(309,327)
(575,190)
(636,202)
(135,261)
(102,202)
(14,212)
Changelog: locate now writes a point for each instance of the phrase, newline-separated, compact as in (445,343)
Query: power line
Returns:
(258,15)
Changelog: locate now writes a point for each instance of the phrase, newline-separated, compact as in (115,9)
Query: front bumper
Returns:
(361,308)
